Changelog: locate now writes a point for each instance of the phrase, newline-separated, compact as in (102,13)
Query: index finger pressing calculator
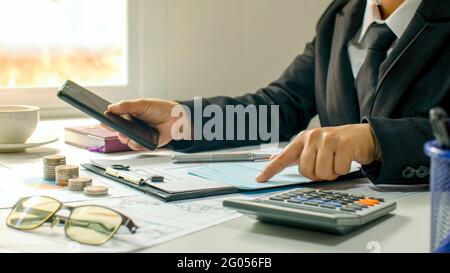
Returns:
(328,211)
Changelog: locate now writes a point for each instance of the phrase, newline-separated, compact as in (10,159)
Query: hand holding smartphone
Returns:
(97,107)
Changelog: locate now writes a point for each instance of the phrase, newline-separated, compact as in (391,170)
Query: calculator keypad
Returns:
(345,202)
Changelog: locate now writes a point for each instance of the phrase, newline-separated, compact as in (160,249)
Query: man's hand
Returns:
(156,113)
(325,154)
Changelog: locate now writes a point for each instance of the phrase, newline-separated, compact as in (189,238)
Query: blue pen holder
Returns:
(440,196)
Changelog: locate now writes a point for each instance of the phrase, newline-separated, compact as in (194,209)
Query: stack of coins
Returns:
(64,173)
(96,191)
(50,163)
(78,184)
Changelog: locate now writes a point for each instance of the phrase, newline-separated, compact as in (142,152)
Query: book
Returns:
(94,138)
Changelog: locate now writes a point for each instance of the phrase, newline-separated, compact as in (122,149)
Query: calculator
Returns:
(328,211)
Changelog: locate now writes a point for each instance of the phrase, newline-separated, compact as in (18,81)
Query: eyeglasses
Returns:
(91,225)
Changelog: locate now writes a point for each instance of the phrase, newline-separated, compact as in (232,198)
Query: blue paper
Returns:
(242,175)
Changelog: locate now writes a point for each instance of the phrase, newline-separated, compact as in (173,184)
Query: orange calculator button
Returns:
(368,202)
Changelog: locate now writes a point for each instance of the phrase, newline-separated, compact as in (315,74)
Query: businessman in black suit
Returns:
(372,74)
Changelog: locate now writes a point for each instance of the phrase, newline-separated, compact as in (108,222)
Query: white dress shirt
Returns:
(397,22)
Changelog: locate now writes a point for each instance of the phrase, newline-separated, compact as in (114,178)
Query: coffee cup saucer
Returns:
(31,143)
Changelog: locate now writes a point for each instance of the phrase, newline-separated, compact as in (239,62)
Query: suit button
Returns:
(409,173)
(422,172)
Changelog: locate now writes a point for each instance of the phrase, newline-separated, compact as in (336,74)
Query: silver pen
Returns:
(208,158)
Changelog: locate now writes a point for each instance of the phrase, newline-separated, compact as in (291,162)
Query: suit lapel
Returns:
(342,101)
(409,58)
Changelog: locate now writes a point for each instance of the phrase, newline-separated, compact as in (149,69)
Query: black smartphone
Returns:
(97,107)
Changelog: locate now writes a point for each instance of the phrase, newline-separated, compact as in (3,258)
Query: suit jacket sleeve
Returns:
(401,143)
(293,92)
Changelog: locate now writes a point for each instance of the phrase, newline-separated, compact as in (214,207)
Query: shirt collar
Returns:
(397,22)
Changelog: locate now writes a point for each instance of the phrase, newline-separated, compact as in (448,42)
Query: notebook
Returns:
(94,138)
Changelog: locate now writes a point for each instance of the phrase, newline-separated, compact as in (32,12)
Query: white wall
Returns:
(230,47)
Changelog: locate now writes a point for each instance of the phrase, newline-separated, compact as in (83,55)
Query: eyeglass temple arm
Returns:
(127,222)
(63,219)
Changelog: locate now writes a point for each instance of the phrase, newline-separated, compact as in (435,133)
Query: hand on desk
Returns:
(325,154)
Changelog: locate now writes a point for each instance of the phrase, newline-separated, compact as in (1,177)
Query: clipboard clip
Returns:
(124,173)
(127,174)
(121,167)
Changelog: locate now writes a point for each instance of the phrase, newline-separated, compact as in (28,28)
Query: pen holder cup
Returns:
(440,193)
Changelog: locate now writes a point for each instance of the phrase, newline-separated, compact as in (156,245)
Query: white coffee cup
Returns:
(17,123)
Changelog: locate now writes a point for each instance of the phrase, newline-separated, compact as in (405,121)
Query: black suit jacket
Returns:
(414,78)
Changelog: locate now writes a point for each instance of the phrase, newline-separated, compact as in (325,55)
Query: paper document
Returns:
(242,175)
(157,222)
(176,177)
(196,177)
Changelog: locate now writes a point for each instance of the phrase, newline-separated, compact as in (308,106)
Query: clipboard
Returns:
(160,194)
(175,187)
(171,197)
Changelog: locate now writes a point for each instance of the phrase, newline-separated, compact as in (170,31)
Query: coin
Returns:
(78,184)
(50,163)
(64,173)
(96,191)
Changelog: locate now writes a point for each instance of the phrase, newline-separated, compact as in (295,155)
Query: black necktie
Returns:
(380,40)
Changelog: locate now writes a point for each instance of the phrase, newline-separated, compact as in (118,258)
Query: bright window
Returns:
(45,42)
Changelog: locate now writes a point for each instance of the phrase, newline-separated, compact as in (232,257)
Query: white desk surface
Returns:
(405,231)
